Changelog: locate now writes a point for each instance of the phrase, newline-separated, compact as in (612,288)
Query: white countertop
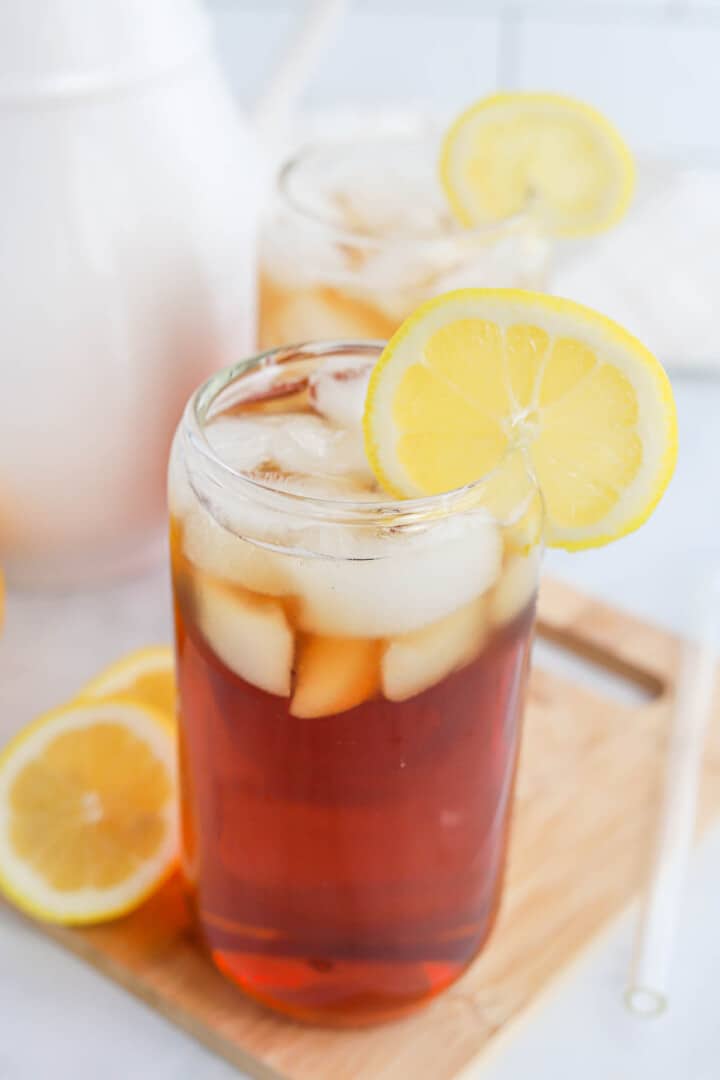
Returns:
(60,1019)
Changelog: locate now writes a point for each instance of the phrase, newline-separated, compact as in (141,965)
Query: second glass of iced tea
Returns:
(351,678)
(359,233)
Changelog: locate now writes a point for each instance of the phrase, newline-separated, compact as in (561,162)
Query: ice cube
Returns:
(382,587)
(295,443)
(313,314)
(181,497)
(402,199)
(395,279)
(414,662)
(338,388)
(351,488)
(250,635)
(293,259)
(516,587)
(334,674)
(215,549)
(242,442)
(224,555)
(307,444)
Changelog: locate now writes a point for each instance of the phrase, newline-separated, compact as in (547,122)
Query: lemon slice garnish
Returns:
(88,819)
(480,379)
(555,157)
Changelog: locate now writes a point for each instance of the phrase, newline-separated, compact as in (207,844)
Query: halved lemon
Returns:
(88,818)
(476,374)
(555,157)
(146,676)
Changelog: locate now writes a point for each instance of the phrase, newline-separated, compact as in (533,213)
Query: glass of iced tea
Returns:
(359,233)
(351,679)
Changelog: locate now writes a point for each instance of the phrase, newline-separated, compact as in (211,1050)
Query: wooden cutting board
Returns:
(586,800)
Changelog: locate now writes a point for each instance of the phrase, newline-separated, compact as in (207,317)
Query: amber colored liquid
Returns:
(348,868)
(290,314)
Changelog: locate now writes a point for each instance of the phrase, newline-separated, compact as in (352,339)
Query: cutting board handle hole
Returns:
(581,662)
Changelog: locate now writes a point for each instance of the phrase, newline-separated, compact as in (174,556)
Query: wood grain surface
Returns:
(586,801)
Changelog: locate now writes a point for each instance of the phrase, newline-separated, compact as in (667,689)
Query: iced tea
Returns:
(360,233)
(351,676)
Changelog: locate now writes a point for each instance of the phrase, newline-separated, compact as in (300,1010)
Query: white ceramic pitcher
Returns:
(128,199)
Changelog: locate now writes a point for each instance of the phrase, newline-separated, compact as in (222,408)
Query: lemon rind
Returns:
(611,136)
(139,662)
(606,329)
(166,861)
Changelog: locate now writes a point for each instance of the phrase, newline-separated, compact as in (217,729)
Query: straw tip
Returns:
(646,1002)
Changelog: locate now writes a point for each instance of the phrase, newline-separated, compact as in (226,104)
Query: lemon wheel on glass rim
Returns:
(476,373)
(545,153)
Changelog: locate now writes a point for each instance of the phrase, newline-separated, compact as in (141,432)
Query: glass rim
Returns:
(385,510)
(406,239)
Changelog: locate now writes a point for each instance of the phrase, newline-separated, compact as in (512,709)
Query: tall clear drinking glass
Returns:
(351,678)
(359,233)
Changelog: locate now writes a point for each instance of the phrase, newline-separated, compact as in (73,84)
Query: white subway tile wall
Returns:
(659,80)
(652,65)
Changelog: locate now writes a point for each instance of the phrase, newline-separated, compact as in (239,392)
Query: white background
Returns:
(651,65)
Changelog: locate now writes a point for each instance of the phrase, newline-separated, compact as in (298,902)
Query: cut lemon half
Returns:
(88,819)
(476,374)
(555,157)
(146,676)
